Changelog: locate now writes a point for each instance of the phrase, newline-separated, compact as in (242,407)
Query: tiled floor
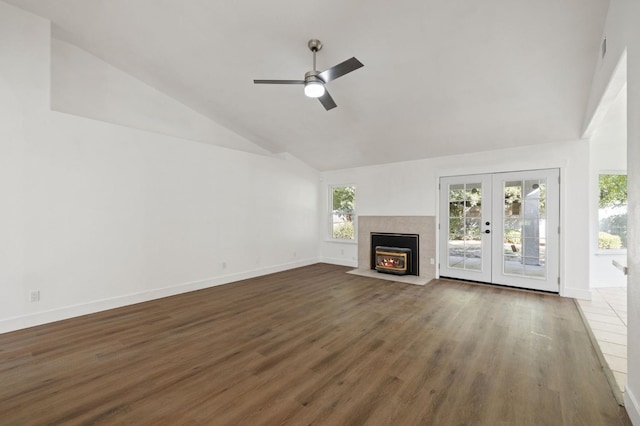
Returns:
(606,314)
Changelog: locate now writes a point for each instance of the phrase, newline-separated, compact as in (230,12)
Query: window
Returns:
(612,212)
(343,214)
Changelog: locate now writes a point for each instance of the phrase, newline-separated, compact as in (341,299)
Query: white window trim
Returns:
(599,251)
(329,233)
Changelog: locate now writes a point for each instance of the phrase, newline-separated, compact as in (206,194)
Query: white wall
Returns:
(83,85)
(376,197)
(96,215)
(410,188)
(608,146)
(622,30)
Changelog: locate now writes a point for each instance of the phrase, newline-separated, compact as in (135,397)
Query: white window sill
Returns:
(341,241)
(611,252)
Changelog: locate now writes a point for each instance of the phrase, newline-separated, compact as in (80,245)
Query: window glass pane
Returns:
(343,212)
(612,212)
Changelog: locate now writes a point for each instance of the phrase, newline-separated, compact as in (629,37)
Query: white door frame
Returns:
(492,222)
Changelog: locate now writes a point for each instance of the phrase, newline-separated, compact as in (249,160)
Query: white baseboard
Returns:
(341,262)
(576,293)
(39,318)
(632,406)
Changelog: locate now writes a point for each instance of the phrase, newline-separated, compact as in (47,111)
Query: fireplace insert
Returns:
(393,260)
(406,245)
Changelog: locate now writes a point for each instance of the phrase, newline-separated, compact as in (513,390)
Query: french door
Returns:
(501,228)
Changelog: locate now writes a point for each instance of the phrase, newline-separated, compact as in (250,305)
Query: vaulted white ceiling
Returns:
(440,77)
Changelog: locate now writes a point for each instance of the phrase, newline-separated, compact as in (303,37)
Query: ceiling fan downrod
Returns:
(315,46)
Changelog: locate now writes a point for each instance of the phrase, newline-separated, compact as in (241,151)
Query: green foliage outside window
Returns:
(612,214)
(343,212)
(613,190)
(607,241)
(344,230)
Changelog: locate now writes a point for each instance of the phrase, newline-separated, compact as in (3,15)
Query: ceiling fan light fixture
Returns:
(315,80)
(314,89)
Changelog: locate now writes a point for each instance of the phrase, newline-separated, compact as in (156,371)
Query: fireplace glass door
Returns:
(501,228)
(392,260)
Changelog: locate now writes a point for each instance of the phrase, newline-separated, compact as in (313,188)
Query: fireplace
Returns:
(394,253)
(392,260)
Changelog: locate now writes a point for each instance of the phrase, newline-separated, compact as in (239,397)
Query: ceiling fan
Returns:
(315,80)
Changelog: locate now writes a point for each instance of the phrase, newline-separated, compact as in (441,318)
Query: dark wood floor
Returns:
(313,346)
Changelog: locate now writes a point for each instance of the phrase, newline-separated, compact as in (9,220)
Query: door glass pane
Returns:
(456,192)
(465,238)
(534,189)
(473,191)
(456,208)
(473,208)
(472,263)
(512,265)
(512,199)
(524,228)
(456,242)
(472,228)
(456,254)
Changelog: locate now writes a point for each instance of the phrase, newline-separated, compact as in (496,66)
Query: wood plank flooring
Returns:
(313,346)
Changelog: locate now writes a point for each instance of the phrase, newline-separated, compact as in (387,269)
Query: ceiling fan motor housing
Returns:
(313,76)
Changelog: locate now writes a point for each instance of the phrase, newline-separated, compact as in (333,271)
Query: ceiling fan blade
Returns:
(327,101)
(278,81)
(340,69)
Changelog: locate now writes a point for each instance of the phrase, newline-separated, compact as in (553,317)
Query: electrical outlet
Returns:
(34,296)
(433,261)
(224,265)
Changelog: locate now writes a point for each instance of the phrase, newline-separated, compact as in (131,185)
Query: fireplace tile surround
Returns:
(423,225)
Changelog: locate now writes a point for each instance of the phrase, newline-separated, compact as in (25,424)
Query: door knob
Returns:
(487,232)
